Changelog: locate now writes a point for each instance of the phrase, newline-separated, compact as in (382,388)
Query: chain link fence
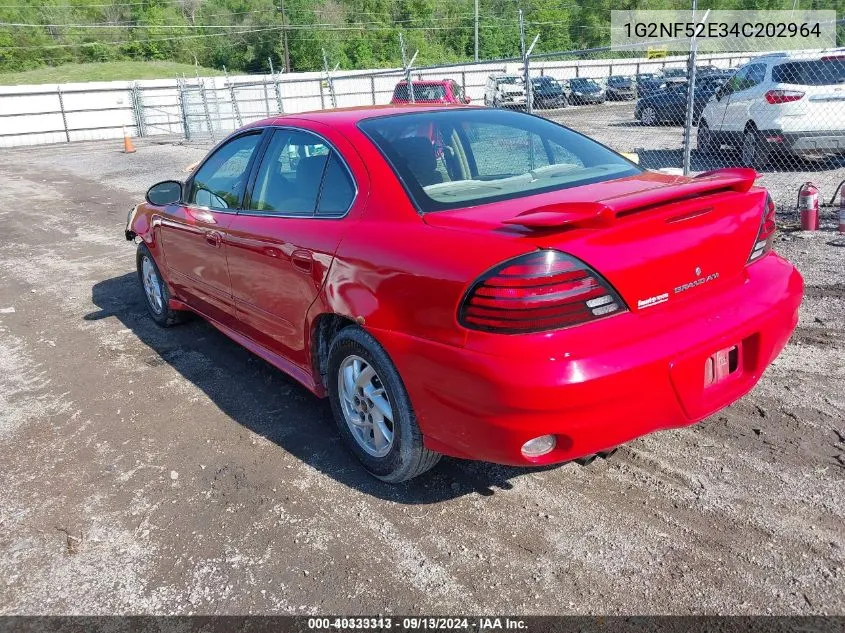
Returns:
(782,113)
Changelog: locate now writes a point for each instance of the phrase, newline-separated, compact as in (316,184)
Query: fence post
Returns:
(373,88)
(138,110)
(688,122)
(278,90)
(62,109)
(266,94)
(329,80)
(183,108)
(207,113)
(233,98)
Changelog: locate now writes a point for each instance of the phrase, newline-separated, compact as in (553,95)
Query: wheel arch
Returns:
(323,329)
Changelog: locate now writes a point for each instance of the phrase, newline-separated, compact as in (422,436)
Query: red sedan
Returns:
(472,282)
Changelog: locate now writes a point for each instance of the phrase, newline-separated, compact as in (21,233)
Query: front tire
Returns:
(156,293)
(372,409)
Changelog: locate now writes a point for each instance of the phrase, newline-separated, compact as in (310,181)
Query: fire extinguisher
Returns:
(808,206)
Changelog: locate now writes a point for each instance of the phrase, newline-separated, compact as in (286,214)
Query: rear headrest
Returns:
(418,153)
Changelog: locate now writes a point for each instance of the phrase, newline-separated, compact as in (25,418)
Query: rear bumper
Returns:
(485,406)
(825,141)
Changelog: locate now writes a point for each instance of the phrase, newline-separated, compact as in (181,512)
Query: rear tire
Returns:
(753,152)
(649,116)
(155,290)
(372,409)
(705,142)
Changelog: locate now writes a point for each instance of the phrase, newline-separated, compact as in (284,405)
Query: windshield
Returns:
(422,92)
(509,80)
(448,160)
(580,84)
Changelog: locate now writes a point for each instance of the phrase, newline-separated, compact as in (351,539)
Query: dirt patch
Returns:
(197,479)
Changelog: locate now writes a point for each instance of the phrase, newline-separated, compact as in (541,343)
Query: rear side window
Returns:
(300,175)
(338,190)
(462,158)
(822,72)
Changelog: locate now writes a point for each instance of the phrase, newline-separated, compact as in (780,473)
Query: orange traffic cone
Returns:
(128,147)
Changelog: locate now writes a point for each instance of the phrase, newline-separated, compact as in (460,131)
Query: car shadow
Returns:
(256,395)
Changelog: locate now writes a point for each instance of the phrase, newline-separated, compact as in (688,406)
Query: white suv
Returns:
(779,103)
(505,91)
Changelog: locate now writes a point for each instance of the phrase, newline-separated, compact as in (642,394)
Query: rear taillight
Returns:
(543,290)
(783,96)
(766,234)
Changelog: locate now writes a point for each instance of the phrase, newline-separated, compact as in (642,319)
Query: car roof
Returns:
(352,115)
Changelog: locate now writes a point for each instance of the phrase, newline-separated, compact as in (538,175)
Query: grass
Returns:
(106,71)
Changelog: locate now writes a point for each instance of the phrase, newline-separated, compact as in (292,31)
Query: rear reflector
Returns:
(543,290)
(783,96)
(766,233)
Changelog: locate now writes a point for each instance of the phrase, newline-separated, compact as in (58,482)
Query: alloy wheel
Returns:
(649,116)
(152,285)
(366,406)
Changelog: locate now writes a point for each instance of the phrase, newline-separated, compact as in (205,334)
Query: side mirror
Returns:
(719,93)
(164,193)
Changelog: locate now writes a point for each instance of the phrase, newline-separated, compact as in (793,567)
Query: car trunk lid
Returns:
(655,238)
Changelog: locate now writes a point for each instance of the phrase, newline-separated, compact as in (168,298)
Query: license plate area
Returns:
(721,365)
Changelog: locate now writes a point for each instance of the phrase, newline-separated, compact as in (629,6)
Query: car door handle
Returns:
(303,261)
(214,238)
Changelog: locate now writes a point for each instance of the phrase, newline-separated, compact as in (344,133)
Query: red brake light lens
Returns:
(543,290)
(766,233)
(783,96)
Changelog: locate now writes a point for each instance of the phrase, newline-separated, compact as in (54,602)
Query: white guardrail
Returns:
(61,113)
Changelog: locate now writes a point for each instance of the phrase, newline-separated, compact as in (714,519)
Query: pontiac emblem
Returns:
(697,271)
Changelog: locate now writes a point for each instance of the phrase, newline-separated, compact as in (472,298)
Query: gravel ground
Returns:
(170,471)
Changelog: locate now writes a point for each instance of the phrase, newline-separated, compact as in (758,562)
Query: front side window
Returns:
(470,157)
(290,179)
(220,182)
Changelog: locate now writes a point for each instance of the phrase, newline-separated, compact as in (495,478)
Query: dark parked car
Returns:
(669,104)
(647,85)
(547,93)
(674,73)
(620,88)
(583,90)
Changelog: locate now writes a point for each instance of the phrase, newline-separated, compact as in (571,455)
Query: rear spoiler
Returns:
(593,215)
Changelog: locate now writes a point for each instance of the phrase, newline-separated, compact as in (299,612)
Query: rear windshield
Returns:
(422,92)
(462,158)
(811,73)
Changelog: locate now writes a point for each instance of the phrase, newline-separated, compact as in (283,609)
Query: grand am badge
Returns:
(697,282)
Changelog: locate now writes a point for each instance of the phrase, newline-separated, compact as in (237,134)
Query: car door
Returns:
(193,234)
(281,245)
(744,91)
(716,110)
